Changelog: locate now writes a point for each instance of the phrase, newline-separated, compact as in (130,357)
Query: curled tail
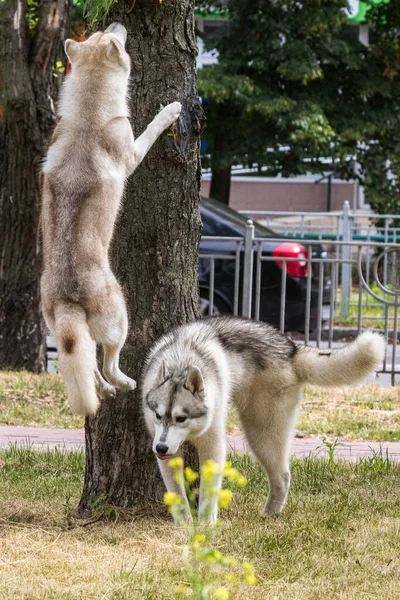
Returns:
(77,358)
(348,365)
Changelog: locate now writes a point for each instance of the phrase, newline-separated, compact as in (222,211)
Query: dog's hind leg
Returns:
(104,389)
(110,328)
(269,432)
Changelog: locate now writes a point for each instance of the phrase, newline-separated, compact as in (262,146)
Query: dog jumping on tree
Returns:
(91,154)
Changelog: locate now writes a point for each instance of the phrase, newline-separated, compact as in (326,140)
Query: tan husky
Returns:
(91,154)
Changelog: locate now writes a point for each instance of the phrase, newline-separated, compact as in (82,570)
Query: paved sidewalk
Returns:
(74,439)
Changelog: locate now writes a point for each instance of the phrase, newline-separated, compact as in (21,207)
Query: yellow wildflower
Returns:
(248,568)
(190,475)
(214,556)
(176,463)
(199,537)
(230,577)
(230,473)
(221,594)
(209,469)
(230,560)
(251,580)
(170,499)
(241,480)
(225,497)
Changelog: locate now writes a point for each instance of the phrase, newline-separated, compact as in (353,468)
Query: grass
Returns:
(35,400)
(338,538)
(368,412)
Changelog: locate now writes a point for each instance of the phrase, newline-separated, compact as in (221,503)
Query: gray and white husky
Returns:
(192,372)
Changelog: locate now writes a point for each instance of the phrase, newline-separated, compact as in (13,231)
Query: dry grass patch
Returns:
(339,537)
(35,401)
(366,412)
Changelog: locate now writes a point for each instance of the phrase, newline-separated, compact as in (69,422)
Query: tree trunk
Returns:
(29,86)
(155,250)
(220,187)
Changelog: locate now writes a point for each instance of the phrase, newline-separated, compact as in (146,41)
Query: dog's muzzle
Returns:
(161,452)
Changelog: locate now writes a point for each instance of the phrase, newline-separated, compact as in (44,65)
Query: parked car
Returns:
(222,221)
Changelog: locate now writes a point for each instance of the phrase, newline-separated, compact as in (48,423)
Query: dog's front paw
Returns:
(127,384)
(182,517)
(170,113)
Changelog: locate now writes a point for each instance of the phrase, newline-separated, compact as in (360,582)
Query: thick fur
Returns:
(91,154)
(192,372)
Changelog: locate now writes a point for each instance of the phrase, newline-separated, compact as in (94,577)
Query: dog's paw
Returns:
(126,385)
(106,391)
(170,113)
(272,508)
(182,517)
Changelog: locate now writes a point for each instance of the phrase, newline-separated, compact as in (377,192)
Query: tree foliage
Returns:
(294,87)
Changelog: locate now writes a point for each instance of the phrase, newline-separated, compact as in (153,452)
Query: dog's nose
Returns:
(162,449)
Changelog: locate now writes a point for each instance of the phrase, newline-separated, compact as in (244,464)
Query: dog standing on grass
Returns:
(192,372)
(91,154)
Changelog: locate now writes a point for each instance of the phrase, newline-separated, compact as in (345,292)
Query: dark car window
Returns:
(224,221)
(213,226)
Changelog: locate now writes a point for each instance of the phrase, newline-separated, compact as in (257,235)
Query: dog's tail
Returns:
(77,358)
(340,367)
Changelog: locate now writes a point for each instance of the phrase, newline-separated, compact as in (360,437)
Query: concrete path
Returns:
(74,439)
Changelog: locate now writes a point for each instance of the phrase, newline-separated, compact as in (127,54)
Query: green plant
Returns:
(209,572)
(96,11)
(331,449)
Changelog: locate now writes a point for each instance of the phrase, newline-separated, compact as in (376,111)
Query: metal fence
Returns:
(343,226)
(363,277)
(340,225)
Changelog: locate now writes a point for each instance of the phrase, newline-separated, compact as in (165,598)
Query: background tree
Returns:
(293,88)
(32,59)
(155,250)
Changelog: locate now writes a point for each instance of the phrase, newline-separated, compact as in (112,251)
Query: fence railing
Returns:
(340,226)
(337,283)
(331,225)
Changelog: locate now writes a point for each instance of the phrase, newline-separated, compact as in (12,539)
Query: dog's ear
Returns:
(161,374)
(195,382)
(114,52)
(72,49)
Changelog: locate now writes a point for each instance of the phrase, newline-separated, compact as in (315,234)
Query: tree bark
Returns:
(220,187)
(155,250)
(29,88)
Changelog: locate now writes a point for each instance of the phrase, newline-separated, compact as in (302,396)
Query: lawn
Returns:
(35,401)
(339,537)
(368,412)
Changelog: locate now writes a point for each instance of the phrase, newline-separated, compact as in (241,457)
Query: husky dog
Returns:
(192,372)
(91,154)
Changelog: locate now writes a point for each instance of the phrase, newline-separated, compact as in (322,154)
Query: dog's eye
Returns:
(180,419)
(158,417)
